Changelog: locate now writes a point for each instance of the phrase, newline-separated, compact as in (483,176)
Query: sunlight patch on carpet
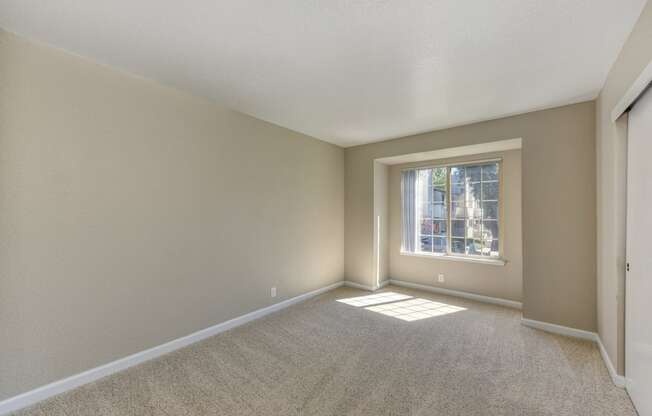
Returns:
(415,309)
(375,299)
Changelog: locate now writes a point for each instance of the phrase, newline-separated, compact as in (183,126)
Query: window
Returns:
(452,210)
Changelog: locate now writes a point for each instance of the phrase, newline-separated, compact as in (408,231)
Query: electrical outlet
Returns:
(273,292)
(440,278)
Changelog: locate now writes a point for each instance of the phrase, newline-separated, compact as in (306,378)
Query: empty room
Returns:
(344,207)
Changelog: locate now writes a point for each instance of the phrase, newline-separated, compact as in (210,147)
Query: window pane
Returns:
(473,247)
(474,213)
(426,226)
(494,247)
(490,248)
(473,173)
(474,229)
(459,211)
(490,172)
(490,229)
(490,210)
(439,244)
(439,177)
(473,194)
(486,247)
(439,194)
(458,228)
(457,174)
(439,211)
(457,245)
(426,244)
(458,193)
(490,191)
(439,227)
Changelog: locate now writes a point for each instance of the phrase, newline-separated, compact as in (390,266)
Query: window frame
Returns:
(449,255)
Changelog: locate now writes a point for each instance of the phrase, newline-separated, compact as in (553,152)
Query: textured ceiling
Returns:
(349,71)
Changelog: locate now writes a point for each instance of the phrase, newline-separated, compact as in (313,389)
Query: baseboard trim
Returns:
(458,293)
(560,329)
(617,379)
(44,392)
(383,284)
(368,288)
(360,286)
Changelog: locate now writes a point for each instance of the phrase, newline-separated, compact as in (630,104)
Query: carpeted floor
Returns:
(417,354)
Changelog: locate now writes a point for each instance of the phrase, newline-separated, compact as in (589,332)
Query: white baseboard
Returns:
(360,286)
(560,329)
(368,288)
(41,393)
(460,294)
(617,379)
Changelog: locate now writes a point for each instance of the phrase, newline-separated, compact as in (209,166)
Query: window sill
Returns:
(448,257)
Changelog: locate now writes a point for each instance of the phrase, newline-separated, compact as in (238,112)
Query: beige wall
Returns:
(132,214)
(497,281)
(611,146)
(558,175)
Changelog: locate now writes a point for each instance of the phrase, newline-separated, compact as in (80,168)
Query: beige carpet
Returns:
(422,355)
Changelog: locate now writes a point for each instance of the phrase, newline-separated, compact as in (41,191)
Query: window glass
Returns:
(426,244)
(457,209)
(490,172)
(457,174)
(457,245)
(439,228)
(490,191)
(439,211)
(490,210)
(473,173)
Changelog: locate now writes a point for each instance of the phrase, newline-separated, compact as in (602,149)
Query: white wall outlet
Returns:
(440,278)
(273,292)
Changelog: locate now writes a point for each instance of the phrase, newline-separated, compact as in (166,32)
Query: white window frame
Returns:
(449,255)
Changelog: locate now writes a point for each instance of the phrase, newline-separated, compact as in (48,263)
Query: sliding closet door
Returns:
(638,301)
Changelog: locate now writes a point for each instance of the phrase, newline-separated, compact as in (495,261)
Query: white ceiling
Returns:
(349,71)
